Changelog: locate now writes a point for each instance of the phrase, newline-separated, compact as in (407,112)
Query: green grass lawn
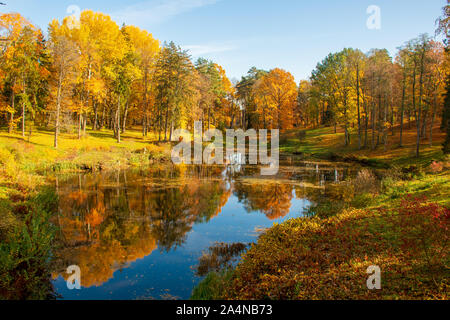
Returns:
(323,143)
(96,148)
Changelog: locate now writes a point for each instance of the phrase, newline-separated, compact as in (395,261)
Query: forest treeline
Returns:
(92,72)
(373,93)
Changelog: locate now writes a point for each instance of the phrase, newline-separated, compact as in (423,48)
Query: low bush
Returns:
(313,258)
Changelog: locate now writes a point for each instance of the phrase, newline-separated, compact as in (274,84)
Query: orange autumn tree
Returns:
(276,98)
(272,199)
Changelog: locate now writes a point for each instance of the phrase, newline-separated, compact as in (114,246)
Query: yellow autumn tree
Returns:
(146,49)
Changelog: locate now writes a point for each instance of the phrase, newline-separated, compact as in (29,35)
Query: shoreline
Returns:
(23,194)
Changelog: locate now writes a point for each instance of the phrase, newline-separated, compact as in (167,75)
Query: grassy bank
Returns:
(325,144)
(396,218)
(96,150)
(26,204)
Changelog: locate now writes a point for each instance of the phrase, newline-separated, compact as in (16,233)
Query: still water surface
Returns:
(139,234)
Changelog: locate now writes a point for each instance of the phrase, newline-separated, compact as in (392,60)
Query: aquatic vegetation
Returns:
(220,256)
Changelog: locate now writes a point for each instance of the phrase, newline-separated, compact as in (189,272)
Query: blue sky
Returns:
(238,34)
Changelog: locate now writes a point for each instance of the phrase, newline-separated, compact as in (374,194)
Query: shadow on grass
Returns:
(21,139)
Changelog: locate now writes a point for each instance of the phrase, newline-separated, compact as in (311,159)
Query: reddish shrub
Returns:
(436,167)
(423,229)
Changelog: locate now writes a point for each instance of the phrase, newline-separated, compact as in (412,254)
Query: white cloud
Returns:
(154,12)
(204,49)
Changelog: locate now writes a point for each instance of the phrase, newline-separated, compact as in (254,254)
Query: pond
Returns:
(139,234)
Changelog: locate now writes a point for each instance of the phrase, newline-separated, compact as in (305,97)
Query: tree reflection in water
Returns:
(220,256)
(109,220)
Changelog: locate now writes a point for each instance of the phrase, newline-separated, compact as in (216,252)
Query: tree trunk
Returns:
(166,122)
(11,122)
(124,125)
(366,129)
(409,119)
(84,124)
(23,119)
(358,105)
(144,116)
(79,126)
(420,106)
(58,110)
(13,99)
(423,133)
(102,124)
(373,126)
(433,118)
(402,110)
(159,123)
(209,116)
(94,126)
(118,120)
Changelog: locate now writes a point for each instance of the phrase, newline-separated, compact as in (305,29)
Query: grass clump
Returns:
(213,286)
(26,248)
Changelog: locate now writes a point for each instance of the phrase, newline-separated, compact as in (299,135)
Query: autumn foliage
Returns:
(327,258)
